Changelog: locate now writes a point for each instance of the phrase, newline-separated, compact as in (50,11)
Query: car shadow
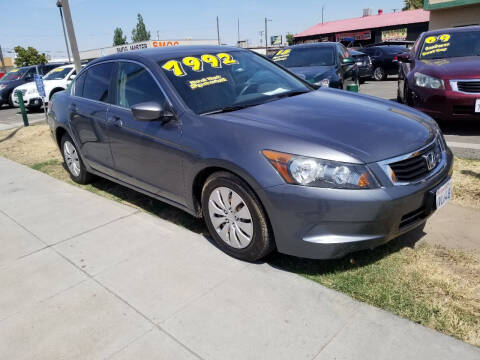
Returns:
(351,261)
(474,174)
(460,127)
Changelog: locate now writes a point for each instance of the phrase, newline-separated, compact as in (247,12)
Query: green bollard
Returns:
(352,87)
(22,108)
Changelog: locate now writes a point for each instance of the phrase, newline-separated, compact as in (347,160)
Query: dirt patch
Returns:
(466,182)
(29,145)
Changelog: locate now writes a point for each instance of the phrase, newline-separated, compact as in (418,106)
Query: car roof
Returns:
(355,52)
(312,45)
(159,54)
(453,30)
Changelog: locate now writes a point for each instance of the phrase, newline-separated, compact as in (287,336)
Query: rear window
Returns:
(97,82)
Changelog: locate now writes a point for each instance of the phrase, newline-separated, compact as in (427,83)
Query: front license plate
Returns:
(477,106)
(444,194)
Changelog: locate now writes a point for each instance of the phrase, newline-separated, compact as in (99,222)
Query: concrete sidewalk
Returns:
(84,277)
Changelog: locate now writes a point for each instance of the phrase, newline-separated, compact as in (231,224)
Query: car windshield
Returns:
(229,81)
(451,44)
(15,74)
(309,56)
(57,73)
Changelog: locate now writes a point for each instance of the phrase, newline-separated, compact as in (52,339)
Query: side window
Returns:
(97,82)
(29,74)
(135,85)
(78,85)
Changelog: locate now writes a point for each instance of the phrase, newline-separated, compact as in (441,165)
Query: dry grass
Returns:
(466,182)
(433,286)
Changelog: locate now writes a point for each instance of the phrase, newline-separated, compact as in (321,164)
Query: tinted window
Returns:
(135,85)
(97,82)
(79,82)
(309,56)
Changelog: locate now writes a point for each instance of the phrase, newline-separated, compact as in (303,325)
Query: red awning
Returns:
(368,22)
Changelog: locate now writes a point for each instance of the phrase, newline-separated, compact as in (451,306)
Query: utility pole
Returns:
(218,32)
(158,35)
(238,31)
(266,35)
(71,35)
(59,5)
(4,69)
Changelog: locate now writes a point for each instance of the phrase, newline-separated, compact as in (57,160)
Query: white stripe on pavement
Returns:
(463,145)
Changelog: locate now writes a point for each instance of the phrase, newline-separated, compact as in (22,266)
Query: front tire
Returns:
(235,217)
(379,74)
(75,165)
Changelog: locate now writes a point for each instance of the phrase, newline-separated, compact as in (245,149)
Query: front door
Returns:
(147,154)
(88,116)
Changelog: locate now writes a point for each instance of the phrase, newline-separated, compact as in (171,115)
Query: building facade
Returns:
(453,13)
(370,29)
(96,53)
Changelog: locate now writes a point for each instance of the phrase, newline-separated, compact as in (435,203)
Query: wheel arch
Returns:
(55,90)
(59,132)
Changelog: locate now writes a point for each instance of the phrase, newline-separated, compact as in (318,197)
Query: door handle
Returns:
(116,121)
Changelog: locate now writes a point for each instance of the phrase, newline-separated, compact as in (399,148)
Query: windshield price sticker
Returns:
(281,55)
(57,70)
(436,44)
(197,63)
(207,81)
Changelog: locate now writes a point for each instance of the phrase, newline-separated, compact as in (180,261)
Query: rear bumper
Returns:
(330,223)
(445,104)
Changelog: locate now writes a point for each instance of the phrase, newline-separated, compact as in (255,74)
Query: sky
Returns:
(37,22)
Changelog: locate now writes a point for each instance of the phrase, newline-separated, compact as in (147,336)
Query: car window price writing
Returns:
(197,63)
(281,55)
(436,44)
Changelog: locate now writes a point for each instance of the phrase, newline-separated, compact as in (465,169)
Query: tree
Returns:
(28,56)
(413,4)
(140,33)
(289,38)
(118,37)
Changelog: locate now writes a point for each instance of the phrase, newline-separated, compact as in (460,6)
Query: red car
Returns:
(1,74)
(441,74)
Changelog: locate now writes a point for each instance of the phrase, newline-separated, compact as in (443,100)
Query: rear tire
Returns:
(379,74)
(74,162)
(235,217)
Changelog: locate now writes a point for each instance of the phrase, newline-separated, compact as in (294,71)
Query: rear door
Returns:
(147,154)
(88,115)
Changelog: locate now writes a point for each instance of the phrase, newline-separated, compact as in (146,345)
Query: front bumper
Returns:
(445,104)
(322,223)
(28,101)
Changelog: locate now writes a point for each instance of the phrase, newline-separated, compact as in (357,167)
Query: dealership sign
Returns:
(357,35)
(395,34)
(276,40)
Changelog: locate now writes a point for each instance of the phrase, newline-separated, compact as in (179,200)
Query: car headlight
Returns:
(427,81)
(2,87)
(323,83)
(300,170)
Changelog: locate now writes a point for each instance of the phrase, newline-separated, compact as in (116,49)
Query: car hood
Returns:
(313,73)
(365,128)
(12,83)
(48,85)
(451,68)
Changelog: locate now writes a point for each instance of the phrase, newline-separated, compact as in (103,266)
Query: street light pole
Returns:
(218,32)
(59,5)
(266,36)
(71,35)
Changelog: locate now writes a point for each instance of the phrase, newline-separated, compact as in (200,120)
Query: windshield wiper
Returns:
(291,93)
(230,109)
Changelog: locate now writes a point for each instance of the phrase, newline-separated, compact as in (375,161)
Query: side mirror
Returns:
(406,58)
(348,61)
(151,111)
(73,76)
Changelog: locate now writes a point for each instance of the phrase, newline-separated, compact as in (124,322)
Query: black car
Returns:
(268,160)
(364,64)
(19,76)
(325,64)
(384,59)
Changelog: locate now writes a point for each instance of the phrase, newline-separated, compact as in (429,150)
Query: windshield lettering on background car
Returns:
(57,73)
(456,44)
(282,55)
(304,57)
(228,81)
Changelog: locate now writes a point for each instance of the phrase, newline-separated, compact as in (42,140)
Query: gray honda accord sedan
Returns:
(268,161)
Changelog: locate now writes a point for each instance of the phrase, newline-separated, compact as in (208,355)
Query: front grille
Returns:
(416,167)
(412,217)
(22,91)
(469,86)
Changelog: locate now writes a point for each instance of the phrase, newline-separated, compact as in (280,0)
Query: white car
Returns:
(56,80)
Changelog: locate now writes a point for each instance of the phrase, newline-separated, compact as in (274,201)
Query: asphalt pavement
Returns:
(11,118)
(84,277)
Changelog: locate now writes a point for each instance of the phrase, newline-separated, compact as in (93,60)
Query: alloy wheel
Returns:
(230,217)
(71,158)
(378,73)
